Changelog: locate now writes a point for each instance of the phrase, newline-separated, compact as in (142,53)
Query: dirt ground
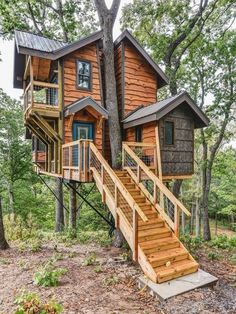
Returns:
(111,290)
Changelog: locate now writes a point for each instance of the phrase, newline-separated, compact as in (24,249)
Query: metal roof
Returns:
(36,42)
(160,109)
(162,78)
(85,102)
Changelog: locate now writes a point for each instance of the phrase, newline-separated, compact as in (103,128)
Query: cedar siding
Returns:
(71,91)
(139,79)
(178,159)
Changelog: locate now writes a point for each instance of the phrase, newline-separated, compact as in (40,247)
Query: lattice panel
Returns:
(126,209)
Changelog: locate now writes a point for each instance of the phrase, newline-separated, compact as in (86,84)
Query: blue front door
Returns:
(83,131)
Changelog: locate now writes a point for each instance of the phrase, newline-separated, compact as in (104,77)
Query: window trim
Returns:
(173,132)
(90,75)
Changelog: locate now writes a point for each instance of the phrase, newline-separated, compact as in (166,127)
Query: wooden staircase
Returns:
(148,227)
(163,250)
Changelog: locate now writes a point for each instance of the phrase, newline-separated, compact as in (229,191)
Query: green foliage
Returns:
(111,281)
(98,269)
(223,242)
(213,256)
(29,303)
(90,259)
(49,275)
(100,237)
(191,243)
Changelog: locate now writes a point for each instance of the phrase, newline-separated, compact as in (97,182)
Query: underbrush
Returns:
(223,242)
(48,275)
(30,303)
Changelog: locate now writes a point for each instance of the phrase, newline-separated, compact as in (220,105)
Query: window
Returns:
(169,133)
(138,133)
(84,74)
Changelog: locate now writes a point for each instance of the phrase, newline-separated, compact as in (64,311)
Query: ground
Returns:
(110,287)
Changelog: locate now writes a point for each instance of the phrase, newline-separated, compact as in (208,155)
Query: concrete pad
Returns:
(177,286)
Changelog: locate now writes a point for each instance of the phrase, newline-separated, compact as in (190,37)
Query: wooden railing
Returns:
(116,196)
(75,160)
(40,94)
(159,195)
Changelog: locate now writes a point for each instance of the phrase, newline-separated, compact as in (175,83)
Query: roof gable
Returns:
(40,46)
(126,35)
(83,103)
(160,109)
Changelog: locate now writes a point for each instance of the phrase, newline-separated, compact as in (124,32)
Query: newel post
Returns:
(135,235)
(176,220)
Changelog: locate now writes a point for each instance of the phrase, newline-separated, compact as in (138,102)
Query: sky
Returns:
(7,55)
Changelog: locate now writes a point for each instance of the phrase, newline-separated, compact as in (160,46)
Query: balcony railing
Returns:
(41,94)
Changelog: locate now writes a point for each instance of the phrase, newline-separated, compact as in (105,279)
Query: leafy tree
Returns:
(15,154)
(67,20)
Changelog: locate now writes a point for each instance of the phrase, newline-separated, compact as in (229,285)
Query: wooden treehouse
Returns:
(66,119)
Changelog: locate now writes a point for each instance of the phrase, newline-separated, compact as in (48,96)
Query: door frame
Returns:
(89,124)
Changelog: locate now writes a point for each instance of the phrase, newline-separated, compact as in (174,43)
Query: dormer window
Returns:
(84,74)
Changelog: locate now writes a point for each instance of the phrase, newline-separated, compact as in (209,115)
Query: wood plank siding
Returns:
(178,159)
(72,92)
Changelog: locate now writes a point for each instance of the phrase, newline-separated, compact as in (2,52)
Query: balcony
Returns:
(42,97)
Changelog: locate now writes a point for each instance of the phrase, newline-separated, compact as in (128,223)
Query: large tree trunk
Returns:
(73,209)
(3,243)
(107,19)
(59,227)
(198,233)
(205,196)
(11,198)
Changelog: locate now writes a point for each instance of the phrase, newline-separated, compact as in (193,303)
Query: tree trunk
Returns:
(206,182)
(183,222)
(107,19)
(197,218)
(3,243)
(118,238)
(59,206)
(11,199)
(73,209)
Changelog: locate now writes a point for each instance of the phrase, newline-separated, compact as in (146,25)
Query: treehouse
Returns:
(67,120)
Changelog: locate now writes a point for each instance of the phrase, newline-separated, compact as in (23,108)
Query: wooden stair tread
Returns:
(168,254)
(144,233)
(158,242)
(150,222)
(175,270)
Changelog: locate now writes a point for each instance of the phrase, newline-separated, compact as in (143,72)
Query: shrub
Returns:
(48,276)
(89,260)
(29,303)
(111,281)
(223,242)
(100,237)
(191,243)
(98,269)
(213,256)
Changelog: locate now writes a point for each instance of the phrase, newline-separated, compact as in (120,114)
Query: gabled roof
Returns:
(27,43)
(160,109)
(126,35)
(83,103)
(40,46)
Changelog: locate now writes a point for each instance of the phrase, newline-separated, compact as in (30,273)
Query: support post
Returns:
(159,165)
(176,220)
(135,235)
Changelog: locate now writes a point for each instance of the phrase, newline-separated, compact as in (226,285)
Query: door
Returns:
(83,131)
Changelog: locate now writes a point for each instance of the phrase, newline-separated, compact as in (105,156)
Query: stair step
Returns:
(134,192)
(177,269)
(129,185)
(163,244)
(139,199)
(149,222)
(125,179)
(163,257)
(153,234)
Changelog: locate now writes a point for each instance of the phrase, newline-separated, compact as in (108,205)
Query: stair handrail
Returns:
(156,181)
(120,186)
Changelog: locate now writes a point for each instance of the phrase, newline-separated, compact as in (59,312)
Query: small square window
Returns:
(138,133)
(84,74)
(169,133)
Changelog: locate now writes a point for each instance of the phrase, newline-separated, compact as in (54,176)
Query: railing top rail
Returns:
(152,176)
(119,184)
(76,142)
(45,84)
(140,144)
